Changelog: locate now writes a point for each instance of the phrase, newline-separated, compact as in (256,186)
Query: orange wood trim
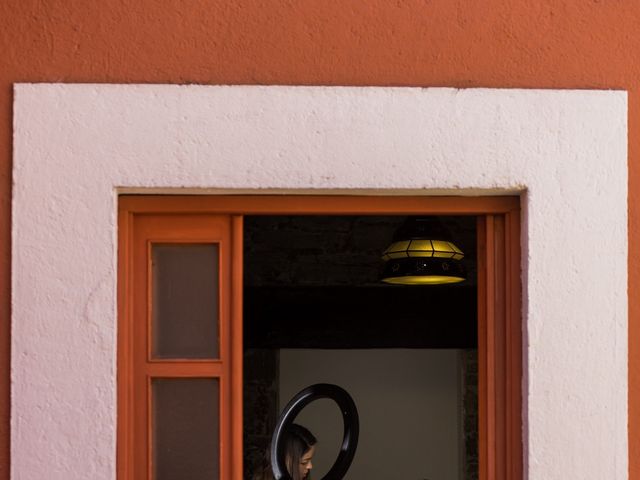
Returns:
(148,296)
(139,326)
(499,347)
(149,427)
(486,348)
(136,367)
(186,369)
(481,228)
(514,353)
(498,372)
(187,229)
(237,286)
(499,316)
(225,349)
(315,204)
(125,450)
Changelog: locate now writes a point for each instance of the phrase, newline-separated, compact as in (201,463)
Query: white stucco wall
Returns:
(76,146)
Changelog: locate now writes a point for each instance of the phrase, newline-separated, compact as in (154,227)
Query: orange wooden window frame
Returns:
(499,312)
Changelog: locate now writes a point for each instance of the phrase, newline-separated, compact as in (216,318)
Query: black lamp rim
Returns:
(350,422)
(398,268)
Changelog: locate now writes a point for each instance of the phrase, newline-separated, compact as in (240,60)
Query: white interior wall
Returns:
(408,402)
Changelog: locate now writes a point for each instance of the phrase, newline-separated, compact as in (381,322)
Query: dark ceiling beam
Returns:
(360,317)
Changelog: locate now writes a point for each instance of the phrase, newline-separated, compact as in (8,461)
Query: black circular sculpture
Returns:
(291,411)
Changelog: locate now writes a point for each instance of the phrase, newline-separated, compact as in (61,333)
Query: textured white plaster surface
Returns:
(75,146)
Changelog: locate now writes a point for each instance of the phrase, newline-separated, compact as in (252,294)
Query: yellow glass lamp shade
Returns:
(422,280)
(422,253)
(423,271)
(422,248)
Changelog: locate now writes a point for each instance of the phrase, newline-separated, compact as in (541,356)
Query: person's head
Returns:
(299,444)
(299,447)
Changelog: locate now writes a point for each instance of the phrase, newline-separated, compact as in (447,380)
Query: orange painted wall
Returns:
(488,43)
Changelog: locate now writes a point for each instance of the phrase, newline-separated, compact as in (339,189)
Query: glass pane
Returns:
(186,429)
(185,300)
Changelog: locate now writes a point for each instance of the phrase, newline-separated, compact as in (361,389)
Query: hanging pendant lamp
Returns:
(423,253)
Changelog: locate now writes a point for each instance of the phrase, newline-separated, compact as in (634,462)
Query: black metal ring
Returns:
(294,407)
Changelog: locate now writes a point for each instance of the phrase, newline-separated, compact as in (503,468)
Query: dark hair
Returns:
(298,440)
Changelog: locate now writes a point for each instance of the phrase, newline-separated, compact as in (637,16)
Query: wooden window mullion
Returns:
(236,345)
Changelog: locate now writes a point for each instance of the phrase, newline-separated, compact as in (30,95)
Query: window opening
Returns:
(315,310)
